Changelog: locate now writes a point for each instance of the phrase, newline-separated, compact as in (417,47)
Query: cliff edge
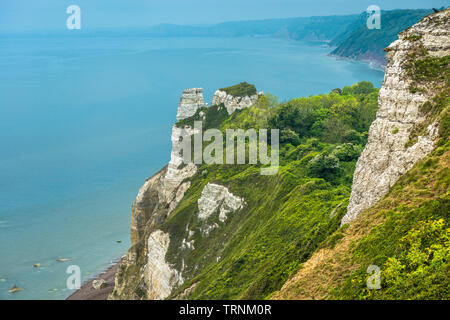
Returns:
(145,272)
(404,132)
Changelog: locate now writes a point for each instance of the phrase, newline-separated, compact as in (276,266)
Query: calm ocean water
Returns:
(85,119)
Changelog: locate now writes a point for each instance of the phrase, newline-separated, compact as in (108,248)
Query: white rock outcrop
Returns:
(233,103)
(386,158)
(218,198)
(166,188)
(159,195)
(160,277)
(98,284)
(177,162)
(155,201)
(190,101)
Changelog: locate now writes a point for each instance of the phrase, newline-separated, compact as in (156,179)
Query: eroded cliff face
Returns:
(159,276)
(217,198)
(233,103)
(190,101)
(403,132)
(145,272)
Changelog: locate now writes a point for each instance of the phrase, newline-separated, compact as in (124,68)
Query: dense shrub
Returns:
(347,152)
(333,118)
(324,166)
(289,136)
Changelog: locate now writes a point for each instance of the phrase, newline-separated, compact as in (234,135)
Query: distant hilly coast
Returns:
(360,43)
(348,35)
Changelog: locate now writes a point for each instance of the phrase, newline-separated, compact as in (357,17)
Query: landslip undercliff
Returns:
(311,230)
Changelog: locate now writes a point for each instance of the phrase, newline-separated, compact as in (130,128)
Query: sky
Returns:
(27,15)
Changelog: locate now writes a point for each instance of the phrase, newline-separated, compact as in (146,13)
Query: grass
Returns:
(242,89)
(413,258)
(408,230)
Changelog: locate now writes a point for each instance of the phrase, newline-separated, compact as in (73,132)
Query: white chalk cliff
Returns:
(145,271)
(190,101)
(217,198)
(233,103)
(159,275)
(387,155)
(161,193)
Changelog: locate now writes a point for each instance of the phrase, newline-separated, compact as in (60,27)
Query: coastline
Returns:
(87,292)
(373,64)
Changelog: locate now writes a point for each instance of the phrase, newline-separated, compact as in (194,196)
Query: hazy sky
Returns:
(16,15)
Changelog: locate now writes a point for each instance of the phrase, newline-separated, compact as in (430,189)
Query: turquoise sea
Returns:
(86,118)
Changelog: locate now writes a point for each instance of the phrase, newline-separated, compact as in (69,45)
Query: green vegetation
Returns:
(332,118)
(406,234)
(211,117)
(290,222)
(430,69)
(413,38)
(287,215)
(241,90)
(412,244)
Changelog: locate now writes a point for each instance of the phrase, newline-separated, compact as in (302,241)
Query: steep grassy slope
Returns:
(285,217)
(407,235)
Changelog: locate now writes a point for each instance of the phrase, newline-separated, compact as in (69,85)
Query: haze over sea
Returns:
(86,118)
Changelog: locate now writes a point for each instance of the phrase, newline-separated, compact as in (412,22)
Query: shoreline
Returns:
(372,63)
(87,292)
